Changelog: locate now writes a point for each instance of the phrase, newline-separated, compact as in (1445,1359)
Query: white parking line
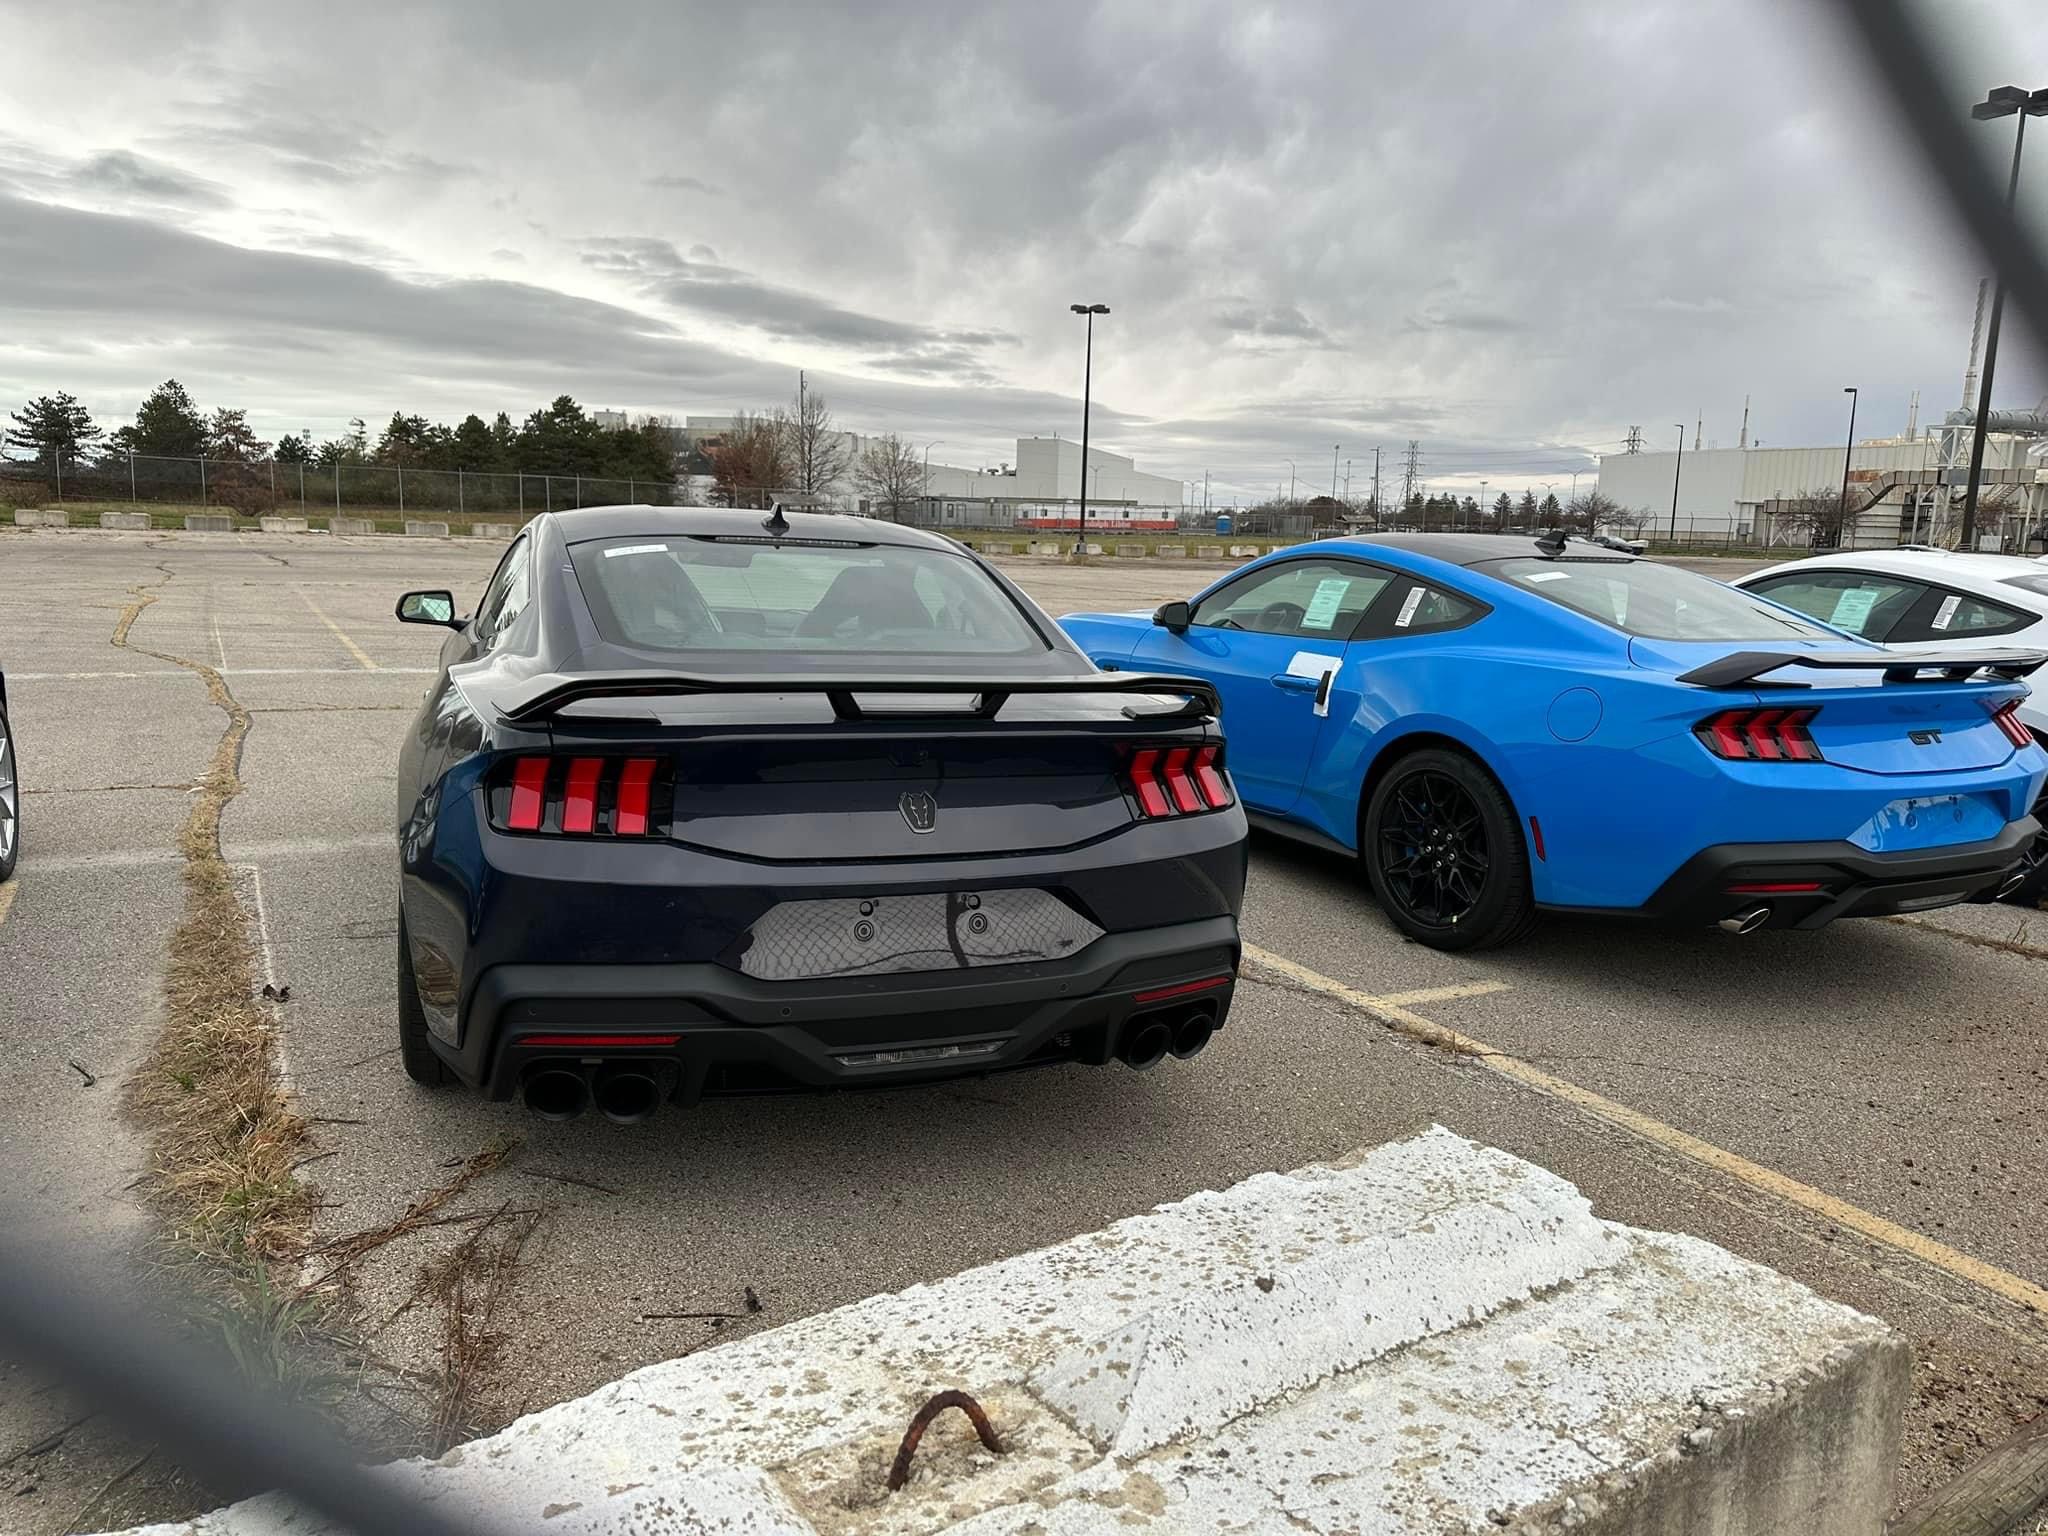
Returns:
(7,898)
(180,674)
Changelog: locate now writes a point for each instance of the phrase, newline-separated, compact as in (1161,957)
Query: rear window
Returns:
(685,594)
(1658,602)
(2038,584)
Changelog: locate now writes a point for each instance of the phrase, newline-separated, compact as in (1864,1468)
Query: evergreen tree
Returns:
(52,425)
(1525,510)
(168,424)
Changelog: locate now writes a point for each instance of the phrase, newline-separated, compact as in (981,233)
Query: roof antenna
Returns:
(775,522)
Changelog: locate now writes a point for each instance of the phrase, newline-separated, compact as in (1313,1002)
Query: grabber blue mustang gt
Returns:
(1498,725)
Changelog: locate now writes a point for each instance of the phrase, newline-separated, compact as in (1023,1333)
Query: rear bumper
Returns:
(1719,882)
(735,1034)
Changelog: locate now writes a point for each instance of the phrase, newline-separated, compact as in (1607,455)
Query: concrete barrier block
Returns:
(1048,547)
(423,529)
(209,522)
(491,530)
(1244,551)
(1091,549)
(351,527)
(1132,551)
(41,517)
(1208,551)
(1171,551)
(1434,1337)
(282,524)
(992,547)
(131,521)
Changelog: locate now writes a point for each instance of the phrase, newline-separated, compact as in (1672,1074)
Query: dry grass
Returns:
(469,1286)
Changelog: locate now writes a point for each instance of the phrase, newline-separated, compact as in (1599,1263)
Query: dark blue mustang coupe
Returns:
(707,802)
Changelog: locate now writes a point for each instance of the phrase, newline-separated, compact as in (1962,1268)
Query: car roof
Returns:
(1479,548)
(636,521)
(1989,573)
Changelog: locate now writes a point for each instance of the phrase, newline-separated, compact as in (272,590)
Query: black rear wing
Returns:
(1746,668)
(544,697)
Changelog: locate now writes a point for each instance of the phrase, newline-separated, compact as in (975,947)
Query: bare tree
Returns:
(1996,504)
(1825,518)
(889,474)
(1592,512)
(752,463)
(1630,520)
(817,450)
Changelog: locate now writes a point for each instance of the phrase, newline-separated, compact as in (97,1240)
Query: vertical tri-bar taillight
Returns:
(1178,781)
(578,796)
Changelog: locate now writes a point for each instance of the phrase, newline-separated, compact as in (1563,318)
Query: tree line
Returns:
(561,438)
(798,453)
(1587,513)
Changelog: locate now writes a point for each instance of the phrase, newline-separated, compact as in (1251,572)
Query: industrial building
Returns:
(1912,486)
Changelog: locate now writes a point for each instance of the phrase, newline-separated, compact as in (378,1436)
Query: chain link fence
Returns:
(256,488)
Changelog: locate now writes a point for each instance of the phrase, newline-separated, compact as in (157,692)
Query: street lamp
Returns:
(924,489)
(1842,507)
(1087,384)
(1676,470)
(2006,101)
(1290,482)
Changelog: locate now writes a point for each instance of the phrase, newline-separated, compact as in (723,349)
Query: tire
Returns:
(421,1064)
(10,802)
(2034,890)
(1443,851)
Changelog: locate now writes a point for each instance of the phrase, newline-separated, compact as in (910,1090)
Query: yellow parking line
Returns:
(1444,994)
(353,649)
(1989,1277)
(7,898)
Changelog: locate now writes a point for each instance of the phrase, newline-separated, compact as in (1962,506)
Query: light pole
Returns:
(1842,506)
(2006,101)
(924,486)
(1333,470)
(1087,385)
(1676,470)
(1290,482)
(1482,504)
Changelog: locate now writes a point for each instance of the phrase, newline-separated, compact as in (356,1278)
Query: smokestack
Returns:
(1698,427)
(1743,441)
(1913,417)
(1976,336)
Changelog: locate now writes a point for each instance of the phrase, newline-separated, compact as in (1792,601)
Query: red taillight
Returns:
(1760,735)
(1182,788)
(529,780)
(579,803)
(1178,781)
(1160,994)
(1209,779)
(1773,887)
(2008,717)
(1145,780)
(577,795)
(634,781)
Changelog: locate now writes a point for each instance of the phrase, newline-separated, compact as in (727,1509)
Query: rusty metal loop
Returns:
(899,1471)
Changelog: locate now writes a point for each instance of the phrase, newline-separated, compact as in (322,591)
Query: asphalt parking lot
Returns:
(1865,1108)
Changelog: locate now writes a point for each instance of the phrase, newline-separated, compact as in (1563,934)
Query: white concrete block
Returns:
(426,529)
(352,527)
(1171,551)
(1208,551)
(41,517)
(492,530)
(282,524)
(1433,1338)
(131,521)
(209,522)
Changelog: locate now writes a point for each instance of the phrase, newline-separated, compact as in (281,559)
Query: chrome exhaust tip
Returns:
(1746,921)
(555,1093)
(2013,882)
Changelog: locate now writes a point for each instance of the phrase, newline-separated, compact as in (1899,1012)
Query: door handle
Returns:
(1294,682)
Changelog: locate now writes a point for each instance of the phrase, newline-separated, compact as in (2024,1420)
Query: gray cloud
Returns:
(121,174)
(673,183)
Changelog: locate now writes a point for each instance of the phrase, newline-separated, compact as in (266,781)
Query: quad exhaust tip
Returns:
(555,1093)
(1746,921)
(1192,1034)
(626,1096)
(2013,882)
(1146,1041)
(1148,1038)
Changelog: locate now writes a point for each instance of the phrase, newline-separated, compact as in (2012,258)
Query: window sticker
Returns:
(1329,597)
(1548,576)
(1408,606)
(636,549)
(1852,609)
(1945,615)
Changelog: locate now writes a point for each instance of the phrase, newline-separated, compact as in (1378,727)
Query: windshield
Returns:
(1658,602)
(688,594)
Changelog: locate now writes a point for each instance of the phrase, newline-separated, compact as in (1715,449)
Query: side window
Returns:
(1862,604)
(1423,609)
(1943,615)
(505,596)
(1311,599)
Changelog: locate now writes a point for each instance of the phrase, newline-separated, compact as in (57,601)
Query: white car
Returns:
(1930,599)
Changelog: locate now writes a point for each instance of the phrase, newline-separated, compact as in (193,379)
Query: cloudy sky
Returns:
(1509,231)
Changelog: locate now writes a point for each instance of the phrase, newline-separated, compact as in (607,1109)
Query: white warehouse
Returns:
(1731,493)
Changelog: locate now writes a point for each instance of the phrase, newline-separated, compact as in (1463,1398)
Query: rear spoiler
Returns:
(1747,667)
(544,697)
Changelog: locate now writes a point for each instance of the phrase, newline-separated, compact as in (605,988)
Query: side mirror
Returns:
(1173,616)
(429,608)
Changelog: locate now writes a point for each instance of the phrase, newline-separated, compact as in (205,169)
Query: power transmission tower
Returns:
(1409,471)
(1635,439)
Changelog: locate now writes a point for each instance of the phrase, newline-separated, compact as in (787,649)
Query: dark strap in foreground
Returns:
(1747,667)
(544,697)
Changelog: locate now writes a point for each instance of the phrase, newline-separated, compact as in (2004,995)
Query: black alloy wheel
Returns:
(1444,853)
